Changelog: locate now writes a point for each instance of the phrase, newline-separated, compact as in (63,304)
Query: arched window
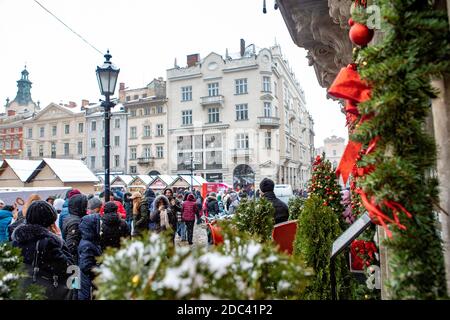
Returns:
(243,177)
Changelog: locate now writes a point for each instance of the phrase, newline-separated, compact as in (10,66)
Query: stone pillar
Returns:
(441,122)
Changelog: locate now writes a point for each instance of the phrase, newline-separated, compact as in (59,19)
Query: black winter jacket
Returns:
(55,257)
(212,206)
(77,210)
(281,209)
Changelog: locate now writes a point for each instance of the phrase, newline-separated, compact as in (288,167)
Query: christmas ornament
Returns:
(359,33)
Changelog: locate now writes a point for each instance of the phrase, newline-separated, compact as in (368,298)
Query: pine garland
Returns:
(414,49)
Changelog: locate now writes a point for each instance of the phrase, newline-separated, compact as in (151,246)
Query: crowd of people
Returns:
(56,234)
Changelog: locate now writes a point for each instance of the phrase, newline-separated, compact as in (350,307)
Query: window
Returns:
(186,93)
(53,150)
(268,140)
(133,113)
(133,153)
(135,97)
(54,130)
(267,109)
(66,149)
(16,144)
(159,109)
(92,162)
(160,151)
(186,117)
(80,127)
(147,154)
(147,111)
(80,147)
(241,86)
(116,141)
(41,150)
(133,169)
(117,123)
(159,130)
(334,152)
(29,154)
(266,84)
(213,115)
(242,111)
(242,141)
(93,125)
(213,160)
(41,132)
(133,132)
(30,133)
(67,128)
(213,89)
(92,142)
(128,98)
(147,131)
(116,160)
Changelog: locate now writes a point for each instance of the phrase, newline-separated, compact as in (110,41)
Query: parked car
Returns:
(283,192)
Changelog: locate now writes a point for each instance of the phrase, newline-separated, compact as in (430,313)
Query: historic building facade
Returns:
(95,139)
(334,149)
(57,131)
(11,122)
(147,127)
(239,120)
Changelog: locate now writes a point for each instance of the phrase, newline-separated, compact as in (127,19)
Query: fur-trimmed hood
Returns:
(33,232)
(161,197)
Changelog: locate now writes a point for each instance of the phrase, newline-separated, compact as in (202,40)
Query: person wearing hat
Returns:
(94,205)
(2,204)
(77,210)
(53,257)
(266,187)
(50,199)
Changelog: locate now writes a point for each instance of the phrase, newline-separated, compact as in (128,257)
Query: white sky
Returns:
(144,37)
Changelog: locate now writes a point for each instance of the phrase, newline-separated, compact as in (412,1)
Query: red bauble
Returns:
(360,35)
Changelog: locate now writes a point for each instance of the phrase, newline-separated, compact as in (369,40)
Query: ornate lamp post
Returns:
(107,75)
(191,163)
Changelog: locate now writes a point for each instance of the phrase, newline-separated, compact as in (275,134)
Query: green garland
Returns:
(414,49)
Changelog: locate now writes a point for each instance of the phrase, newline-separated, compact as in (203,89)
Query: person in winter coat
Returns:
(281,209)
(149,199)
(128,205)
(234,203)
(65,209)
(77,210)
(6,216)
(189,211)
(212,205)
(53,258)
(121,209)
(94,205)
(97,234)
(140,214)
(163,216)
(175,206)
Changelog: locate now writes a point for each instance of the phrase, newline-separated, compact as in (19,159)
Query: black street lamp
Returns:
(107,78)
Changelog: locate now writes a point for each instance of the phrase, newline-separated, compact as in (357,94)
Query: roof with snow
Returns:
(146,178)
(67,170)
(167,179)
(125,178)
(197,180)
(22,168)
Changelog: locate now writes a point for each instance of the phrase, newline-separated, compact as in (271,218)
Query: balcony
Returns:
(146,161)
(268,122)
(291,115)
(241,152)
(213,100)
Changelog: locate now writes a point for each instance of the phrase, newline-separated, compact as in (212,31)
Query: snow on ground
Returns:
(200,238)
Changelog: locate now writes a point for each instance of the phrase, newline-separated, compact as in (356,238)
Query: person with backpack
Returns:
(212,205)
(97,234)
(77,210)
(140,214)
(44,253)
(189,211)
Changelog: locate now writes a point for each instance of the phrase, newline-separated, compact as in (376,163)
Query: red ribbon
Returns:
(348,160)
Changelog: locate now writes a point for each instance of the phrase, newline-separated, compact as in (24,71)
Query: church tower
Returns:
(22,103)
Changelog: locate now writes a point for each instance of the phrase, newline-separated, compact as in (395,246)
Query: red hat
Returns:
(72,193)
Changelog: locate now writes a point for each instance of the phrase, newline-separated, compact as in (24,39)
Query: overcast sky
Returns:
(144,37)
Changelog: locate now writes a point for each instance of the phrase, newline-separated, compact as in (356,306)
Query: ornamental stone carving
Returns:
(320,27)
